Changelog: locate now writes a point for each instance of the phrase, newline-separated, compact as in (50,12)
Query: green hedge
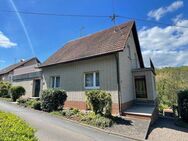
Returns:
(52,99)
(183,104)
(17,92)
(12,128)
(99,101)
(4,89)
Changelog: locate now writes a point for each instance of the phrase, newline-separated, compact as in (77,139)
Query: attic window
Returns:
(129,51)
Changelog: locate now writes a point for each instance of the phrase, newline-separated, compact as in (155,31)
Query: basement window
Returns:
(55,81)
(91,80)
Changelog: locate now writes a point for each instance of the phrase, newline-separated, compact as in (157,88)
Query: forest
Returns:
(169,81)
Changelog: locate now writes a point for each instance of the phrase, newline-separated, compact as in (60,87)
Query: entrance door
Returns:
(140,86)
(37,88)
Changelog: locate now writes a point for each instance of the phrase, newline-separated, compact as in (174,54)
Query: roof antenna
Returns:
(113,18)
(81,31)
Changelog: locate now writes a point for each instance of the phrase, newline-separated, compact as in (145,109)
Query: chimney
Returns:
(22,60)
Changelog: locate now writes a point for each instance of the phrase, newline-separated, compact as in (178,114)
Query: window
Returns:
(55,81)
(91,80)
(129,51)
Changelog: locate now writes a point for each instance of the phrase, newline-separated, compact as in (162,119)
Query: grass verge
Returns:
(13,128)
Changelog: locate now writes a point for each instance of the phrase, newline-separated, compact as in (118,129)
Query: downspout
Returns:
(118,82)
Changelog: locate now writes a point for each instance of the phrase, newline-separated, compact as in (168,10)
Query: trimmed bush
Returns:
(17,92)
(4,89)
(52,99)
(183,104)
(12,128)
(36,105)
(99,101)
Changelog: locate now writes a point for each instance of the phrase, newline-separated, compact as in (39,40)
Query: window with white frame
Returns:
(91,80)
(55,81)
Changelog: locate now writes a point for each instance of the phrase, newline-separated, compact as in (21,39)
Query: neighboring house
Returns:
(26,74)
(109,60)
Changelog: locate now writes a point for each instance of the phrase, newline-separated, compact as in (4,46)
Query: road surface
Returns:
(50,128)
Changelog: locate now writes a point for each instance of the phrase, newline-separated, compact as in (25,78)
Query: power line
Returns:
(55,14)
(90,16)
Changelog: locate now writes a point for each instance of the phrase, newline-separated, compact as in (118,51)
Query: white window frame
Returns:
(55,82)
(94,81)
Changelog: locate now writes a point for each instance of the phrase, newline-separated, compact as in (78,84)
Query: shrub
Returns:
(21,101)
(99,101)
(183,104)
(70,112)
(4,89)
(36,105)
(96,120)
(52,99)
(17,92)
(12,128)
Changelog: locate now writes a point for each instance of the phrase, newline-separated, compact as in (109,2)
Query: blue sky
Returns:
(165,44)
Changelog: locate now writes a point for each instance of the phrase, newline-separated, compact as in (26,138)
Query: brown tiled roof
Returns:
(103,42)
(14,66)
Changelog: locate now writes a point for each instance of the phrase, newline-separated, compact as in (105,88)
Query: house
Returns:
(26,74)
(109,60)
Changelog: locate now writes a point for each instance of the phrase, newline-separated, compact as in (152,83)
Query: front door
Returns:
(140,87)
(37,88)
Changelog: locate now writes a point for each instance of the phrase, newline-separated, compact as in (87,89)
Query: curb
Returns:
(80,123)
(99,129)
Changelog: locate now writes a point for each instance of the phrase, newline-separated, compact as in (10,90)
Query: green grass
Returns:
(13,128)
(181,123)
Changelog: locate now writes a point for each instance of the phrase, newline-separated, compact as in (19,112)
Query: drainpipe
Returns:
(118,81)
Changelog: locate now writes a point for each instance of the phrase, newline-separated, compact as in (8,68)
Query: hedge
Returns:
(17,92)
(183,104)
(99,101)
(52,99)
(12,128)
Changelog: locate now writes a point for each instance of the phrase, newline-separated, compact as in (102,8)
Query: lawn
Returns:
(13,128)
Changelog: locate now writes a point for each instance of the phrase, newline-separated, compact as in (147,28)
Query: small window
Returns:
(55,81)
(91,80)
(129,51)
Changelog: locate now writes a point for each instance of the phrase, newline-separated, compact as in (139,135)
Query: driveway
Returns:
(50,128)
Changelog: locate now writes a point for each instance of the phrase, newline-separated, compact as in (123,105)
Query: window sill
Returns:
(90,88)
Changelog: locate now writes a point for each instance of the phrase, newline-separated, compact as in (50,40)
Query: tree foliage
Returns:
(169,81)
(17,92)
(4,89)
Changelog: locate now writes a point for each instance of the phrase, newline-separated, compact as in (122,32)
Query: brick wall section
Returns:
(76,104)
(82,106)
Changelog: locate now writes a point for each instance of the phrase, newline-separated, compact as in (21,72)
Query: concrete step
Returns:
(145,102)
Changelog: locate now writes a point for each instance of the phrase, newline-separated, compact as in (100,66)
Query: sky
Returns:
(23,36)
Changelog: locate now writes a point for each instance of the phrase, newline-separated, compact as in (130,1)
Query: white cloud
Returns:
(160,12)
(5,41)
(177,18)
(166,46)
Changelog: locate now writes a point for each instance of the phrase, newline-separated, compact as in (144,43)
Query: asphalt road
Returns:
(50,128)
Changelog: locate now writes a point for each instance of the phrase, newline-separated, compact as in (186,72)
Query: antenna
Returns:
(81,31)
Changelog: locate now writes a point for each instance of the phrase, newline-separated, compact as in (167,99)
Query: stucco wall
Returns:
(126,64)
(72,76)
(27,84)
